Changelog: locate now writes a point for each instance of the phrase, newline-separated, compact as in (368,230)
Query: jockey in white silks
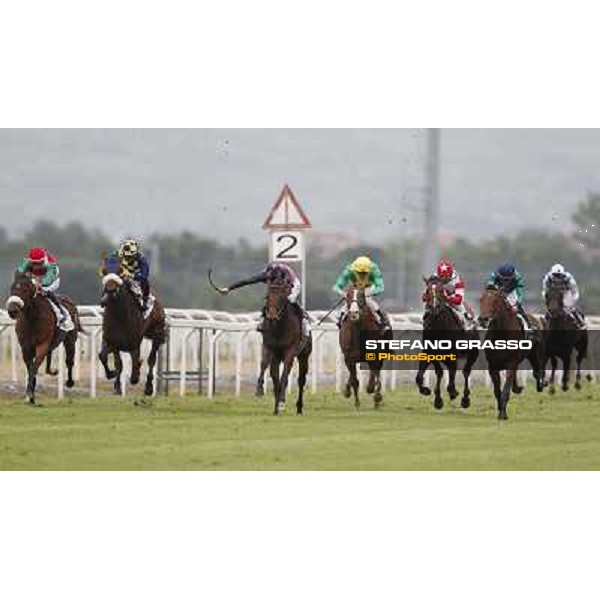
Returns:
(558,275)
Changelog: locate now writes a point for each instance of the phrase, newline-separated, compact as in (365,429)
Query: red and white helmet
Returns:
(444,269)
(37,255)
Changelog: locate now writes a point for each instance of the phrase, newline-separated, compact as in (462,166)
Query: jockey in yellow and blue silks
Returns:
(135,269)
(364,273)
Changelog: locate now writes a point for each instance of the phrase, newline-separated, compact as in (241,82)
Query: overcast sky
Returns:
(221,183)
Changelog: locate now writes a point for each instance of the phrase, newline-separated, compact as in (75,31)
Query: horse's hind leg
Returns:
(438,401)
(419,379)
(103,357)
(70,345)
(49,369)
(149,387)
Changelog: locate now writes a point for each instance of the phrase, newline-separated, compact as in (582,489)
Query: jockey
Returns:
(454,288)
(135,269)
(277,273)
(512,283)
(558,275)
(44,268)
(363,272)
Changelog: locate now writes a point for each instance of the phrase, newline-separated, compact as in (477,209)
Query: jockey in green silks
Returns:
(364,273)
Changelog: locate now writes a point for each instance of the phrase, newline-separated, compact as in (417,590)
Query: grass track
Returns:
(560,432)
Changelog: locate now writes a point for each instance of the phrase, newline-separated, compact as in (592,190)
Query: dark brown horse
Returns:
(563,336)
(503,324)
(359,318)
(124,327)
(37,329)
(282,344)
(441,323)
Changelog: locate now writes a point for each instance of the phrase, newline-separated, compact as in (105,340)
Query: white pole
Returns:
(61,372)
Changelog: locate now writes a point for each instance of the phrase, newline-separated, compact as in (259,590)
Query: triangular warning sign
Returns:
(287,213)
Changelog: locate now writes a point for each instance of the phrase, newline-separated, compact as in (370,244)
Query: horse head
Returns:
(276,301)
(112,282)
(492,304)
(23,291)
(353,302)
(555,299)
(434,297)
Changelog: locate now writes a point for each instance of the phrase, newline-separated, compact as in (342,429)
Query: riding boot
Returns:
(52,297)
(384,321)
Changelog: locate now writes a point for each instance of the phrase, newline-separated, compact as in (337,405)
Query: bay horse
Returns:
(124,327)
(359,318)
(283,343)
(37,329)
(503,324)
(442,324)
(563,336)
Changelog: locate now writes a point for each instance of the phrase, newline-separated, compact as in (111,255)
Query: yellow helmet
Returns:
(363,264)
(128,248)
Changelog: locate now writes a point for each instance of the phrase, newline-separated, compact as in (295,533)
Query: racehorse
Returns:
(503,324)
(359,318)
(282,344)
(441,323)
(563,336)
(37,329)
(124,327)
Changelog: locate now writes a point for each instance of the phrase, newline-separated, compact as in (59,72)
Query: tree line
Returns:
(181,261)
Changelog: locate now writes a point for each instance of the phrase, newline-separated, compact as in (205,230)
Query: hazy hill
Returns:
(221,183)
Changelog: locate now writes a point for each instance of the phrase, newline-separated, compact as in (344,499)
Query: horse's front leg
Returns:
(103,357)
(566,371)
(377,395)
(419,379)
(438,401)
(353,380)
(70,349)
(451,389)
(302,372)
(118,370)
(288,363)
(136,366)
(581,349)
(264,363)
(33,364)
(274,368)
(553,365)
(466,397)
(495,377)
(149,387)
(511,374)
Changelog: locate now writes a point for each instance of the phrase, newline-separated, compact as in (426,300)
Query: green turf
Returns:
(560,432)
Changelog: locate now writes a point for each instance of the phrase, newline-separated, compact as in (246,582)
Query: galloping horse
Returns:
(283,343)
(359,318)
(124,327)
(37,330)
(441,323)
(503,324)
(563,336)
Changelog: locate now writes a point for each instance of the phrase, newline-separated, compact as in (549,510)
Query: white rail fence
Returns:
(205,351)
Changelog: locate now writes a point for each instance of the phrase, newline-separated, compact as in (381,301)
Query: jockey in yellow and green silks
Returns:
(363,273)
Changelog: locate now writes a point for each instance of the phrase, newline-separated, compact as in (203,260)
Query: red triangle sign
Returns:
(287,213)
